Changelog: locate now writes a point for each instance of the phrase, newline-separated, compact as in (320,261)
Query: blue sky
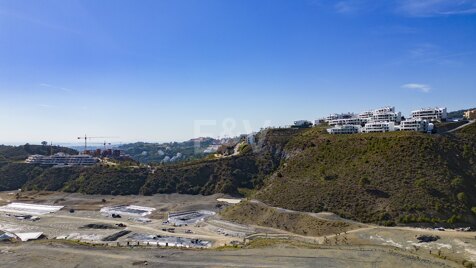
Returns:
(154,70)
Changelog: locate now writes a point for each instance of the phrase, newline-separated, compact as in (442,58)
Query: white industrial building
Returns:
(432,114)
(344,129)
(62,160)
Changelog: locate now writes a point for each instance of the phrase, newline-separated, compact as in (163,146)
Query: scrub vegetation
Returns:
(393,178)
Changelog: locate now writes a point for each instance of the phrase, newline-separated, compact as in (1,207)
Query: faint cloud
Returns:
(56,87)
(422,51)
(433,54)
(419,87)
(430,8)
(345,7)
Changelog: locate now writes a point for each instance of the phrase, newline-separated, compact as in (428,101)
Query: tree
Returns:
(44,143)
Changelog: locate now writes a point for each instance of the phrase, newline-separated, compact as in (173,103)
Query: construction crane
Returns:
(86,138)
(106,143)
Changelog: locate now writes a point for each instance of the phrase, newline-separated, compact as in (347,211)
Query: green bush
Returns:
(462,197)
(457,183)
(421,183)
(473,209)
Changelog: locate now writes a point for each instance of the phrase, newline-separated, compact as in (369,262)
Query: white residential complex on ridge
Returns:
(62,160)
(384,119)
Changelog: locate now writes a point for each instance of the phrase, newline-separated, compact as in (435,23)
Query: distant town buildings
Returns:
(104,153)
(62,160)
(470,114)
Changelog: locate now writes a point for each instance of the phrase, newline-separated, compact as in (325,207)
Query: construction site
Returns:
(159,227)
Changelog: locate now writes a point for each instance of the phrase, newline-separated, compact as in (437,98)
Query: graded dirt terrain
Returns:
(60,255)
(275,238)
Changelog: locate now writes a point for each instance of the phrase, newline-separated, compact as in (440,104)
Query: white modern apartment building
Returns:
(61,159)
(378,127)
(344,129)
(367,114)
(348,121)
(339,116)
(432,114)
(414,124)
(384,119)
(386,109)
(386,114)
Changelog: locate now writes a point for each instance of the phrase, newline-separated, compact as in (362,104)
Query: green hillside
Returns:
(386,178)
(17,153)
(300,223)
(168,152)
(399,177)
(222,175)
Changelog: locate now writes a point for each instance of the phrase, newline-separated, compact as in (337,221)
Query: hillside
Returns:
(18,153)
(459,113)
(385,178)
(169,152)
(255,213)
(389,178)
(223,175)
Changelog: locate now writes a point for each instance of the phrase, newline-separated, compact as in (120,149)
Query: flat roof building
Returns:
(61,159)
(348,121)
(339,116)
(414,124)
(432,114)
(378,127)
(344,129)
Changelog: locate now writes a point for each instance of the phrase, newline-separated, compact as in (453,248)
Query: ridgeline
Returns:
(387,178)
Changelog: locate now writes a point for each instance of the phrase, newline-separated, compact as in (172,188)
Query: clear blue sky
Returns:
(148,70)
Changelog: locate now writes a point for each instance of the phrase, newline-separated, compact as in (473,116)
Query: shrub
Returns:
(452,219)
(473,209)
(462,197)
(457,183)
(421,183)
